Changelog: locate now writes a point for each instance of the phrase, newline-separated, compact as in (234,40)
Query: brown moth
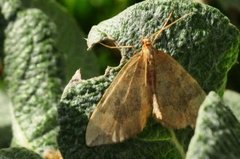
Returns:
(150,83)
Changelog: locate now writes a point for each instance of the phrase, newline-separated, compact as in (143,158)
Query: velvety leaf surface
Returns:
(232,100)
(217,133)
(5,121)
(69,39)
(9,8)
(18,153)
(205,43)
(32,67)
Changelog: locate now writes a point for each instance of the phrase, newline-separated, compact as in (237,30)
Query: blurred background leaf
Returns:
(5,122)
(217,131)
(91,12)
(70,39)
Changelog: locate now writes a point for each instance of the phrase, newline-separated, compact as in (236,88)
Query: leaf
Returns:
(34,77)
(206,44)
(18,153)
(232,100)
(9,8)
(217,133)
(2,26)
(5,118)
(69,40)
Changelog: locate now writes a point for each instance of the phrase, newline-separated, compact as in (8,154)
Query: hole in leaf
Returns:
(107,56)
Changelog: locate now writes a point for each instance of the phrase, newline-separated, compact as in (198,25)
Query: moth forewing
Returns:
(178,95)
(124,108)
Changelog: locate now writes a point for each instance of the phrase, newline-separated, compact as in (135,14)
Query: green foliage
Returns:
(69,39)
(18,153)
(217,133)
(232,100)
(9,8)
(33,75)
(34,70)
(207,56)
(96,10)
(90,12)
(5,122)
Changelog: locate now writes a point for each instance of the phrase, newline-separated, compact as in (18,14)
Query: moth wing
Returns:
(124,108)
(177,94)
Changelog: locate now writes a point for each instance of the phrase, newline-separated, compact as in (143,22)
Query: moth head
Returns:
(147,48)
(146,42)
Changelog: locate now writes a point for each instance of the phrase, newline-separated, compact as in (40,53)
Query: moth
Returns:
(151,83)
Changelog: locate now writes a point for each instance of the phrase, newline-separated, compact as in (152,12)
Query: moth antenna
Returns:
(155,35)
(115,47)
(165,26)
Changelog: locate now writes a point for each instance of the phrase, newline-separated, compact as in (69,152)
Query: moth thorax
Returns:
(146,42)
(147,49)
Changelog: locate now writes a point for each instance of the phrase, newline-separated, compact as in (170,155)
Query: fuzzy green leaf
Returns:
(232,100)
(9,8)
(69,40)
(5,121)
(18,153)
(34,77)
(217,133)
